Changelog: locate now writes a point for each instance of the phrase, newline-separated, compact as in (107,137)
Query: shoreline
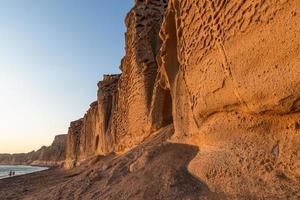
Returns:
(25,185)
(40,169)
(35,165)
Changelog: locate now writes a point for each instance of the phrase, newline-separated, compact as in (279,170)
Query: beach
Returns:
(24,186)
(17,170)
(155,169)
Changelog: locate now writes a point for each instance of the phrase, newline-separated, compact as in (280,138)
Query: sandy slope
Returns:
(154,170)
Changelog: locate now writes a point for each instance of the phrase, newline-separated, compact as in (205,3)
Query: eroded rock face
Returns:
(107,100)
(233,70)
(91,135)
(226,74)
(73,143)
(226,59)
(89,129)
(53,155)
(139,70)
(118,120)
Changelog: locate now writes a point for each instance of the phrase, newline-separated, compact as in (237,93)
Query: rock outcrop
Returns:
(219,77)
(107,100)
(233,71)
(73,144)
(226,74)
(118,120)
(90,135)
(139,69)
(51,156)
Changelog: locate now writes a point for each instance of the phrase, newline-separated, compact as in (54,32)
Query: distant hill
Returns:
(53,155)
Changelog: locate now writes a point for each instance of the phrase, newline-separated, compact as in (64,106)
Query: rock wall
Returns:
(139,69)
(89,129)
(233,71)
(225,73)
(73,143)
(118,120)
(53,155)
(107,100)
(91,135)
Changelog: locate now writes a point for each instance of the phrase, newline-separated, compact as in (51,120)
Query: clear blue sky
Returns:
(52,54)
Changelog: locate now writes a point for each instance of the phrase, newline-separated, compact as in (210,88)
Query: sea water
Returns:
(18,169)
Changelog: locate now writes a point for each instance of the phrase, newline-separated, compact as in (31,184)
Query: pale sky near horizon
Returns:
(52,54)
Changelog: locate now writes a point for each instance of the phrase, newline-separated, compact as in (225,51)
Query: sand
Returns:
(154,170)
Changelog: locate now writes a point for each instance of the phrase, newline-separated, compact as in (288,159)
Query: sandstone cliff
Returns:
(233,71)
(118,120)
(53,155)
(226,74)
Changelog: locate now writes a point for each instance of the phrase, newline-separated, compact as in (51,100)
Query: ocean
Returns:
(18,169)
